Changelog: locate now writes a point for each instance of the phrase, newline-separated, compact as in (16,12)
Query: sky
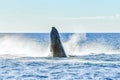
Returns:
(66,15)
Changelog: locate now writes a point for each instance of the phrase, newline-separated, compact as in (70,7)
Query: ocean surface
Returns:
(90,56)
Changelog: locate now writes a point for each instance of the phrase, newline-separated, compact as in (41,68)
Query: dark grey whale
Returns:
(56,45)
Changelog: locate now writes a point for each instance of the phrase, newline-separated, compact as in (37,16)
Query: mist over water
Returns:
(38,44)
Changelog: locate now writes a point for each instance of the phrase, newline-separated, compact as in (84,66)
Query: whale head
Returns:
(56,45)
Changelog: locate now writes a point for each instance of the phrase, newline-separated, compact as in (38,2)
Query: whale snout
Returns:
(56,45)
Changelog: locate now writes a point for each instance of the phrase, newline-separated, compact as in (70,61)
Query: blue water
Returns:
(109,38)
(93,66)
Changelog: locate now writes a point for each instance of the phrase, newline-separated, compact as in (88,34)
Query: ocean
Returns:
(90,56)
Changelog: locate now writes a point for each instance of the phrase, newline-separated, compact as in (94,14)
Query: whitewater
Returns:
(90,56)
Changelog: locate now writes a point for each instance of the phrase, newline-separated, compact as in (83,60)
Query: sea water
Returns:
(90,56)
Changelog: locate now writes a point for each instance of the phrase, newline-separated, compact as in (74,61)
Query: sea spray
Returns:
(79,44)
(72,46)
(17,45)
(38,44)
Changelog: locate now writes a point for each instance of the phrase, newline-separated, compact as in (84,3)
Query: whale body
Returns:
(56,49)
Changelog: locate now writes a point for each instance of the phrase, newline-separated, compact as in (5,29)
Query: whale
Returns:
(56,47)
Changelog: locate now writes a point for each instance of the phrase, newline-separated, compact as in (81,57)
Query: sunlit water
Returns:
(91,56)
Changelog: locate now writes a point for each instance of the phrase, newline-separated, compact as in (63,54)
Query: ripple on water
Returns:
(46,70)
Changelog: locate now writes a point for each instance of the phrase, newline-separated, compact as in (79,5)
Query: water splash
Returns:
(76,44)
(79,45)
(15,45)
